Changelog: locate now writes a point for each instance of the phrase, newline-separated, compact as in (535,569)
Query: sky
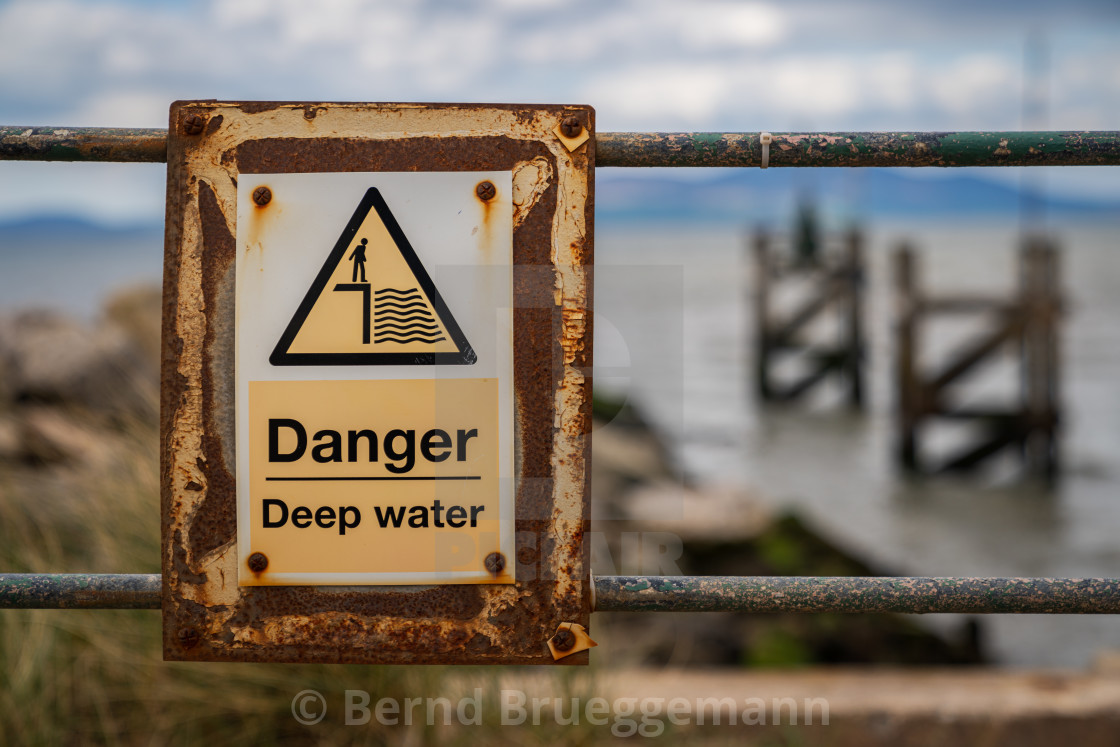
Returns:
(643,64)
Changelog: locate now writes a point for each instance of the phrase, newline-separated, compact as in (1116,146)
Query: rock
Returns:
(44,436)
(49,435)
(10,446)
(50,359)
(138,312)
(645,522)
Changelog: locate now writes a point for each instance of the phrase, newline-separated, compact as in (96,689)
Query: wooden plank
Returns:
(999,440)
(826,363)
(973,355)
(965,304)
(810,310)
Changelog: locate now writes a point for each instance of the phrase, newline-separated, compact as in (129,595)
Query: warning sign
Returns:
(396,475)
(374,379)
(372,303)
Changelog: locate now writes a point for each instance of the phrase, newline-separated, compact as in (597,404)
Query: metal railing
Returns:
(685,149)
(674,593)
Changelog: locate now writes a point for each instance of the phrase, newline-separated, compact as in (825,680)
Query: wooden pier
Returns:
(1025,322)
(834,288)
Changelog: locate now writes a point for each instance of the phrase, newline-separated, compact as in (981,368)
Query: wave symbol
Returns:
(406,327)
(403,340)
(403,316)
(394,305)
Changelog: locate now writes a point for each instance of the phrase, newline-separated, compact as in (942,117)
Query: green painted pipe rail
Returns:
(843,594)
(859,149)
(675,594)
(742,149)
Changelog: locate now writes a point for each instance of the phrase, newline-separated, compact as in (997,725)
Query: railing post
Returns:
(1039,298)
(908,386)
(763,331)
(854,278)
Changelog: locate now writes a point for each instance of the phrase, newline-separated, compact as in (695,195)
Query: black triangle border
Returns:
(372,199)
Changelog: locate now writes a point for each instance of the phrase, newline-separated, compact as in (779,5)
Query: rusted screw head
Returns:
(193,124)
(564,639)
(188,637)
(262,196)
(495,562)
(486,191)
(258,561)
(571,126)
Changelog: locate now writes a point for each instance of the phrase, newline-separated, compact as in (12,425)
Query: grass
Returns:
(97,676)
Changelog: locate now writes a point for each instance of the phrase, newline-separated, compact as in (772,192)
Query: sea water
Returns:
(673,332)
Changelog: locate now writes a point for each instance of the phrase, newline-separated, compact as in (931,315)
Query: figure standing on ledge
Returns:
(359,259)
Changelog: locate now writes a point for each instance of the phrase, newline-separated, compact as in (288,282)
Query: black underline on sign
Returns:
(404,477)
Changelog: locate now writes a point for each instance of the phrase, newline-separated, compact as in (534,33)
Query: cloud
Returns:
(974,83)
(650,63)
(712,26)
(679,95)
(644,64)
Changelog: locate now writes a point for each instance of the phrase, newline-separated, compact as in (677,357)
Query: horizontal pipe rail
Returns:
(859,149)
(105,591)
(899,594)
(675,594)
(671,148)
(82,144)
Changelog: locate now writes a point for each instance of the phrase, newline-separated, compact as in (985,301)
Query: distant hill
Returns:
(751,195)
(71,264)
(47,228)
(716,197)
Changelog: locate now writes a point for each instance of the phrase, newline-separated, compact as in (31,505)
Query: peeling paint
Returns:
(857,594)
(851,149)
(530,180)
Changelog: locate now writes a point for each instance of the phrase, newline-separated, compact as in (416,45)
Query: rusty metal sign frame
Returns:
(206,615)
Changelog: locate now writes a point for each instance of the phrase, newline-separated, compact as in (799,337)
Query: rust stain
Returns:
(487,196)
(261,217)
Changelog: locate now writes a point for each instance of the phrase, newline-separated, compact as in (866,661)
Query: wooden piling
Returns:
(762,278)
(909,399)
(855,348)
(837,287)
(1027,321)
(1040,356)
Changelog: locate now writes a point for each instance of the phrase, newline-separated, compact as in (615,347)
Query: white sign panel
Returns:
(374,374)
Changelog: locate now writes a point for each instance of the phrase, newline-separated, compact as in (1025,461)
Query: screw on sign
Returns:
(188,637)
(571,126)
(262,196)
(193,125)
(258,561)
(495,562)
(486,191)
(564,639)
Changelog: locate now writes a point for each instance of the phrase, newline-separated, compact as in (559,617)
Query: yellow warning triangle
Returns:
(372,303)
